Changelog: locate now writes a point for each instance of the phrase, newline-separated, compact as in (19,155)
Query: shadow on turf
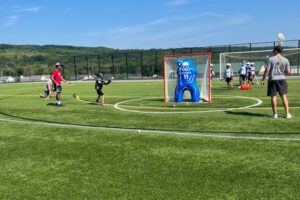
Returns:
(4,98)
(244,113)
(54,104)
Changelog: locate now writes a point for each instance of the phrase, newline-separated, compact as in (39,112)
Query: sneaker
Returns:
(288,116)
(275,116)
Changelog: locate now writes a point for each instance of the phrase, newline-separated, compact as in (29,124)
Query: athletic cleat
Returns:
(275,116)
(288,116)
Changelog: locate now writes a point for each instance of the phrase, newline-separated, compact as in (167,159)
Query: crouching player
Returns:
(98,86)
(48,90)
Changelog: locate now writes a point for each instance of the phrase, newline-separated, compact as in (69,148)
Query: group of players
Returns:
(56,79)
(246,74)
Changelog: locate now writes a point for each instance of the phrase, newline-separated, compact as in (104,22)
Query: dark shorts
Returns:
(57,88)
(100,93)
(242,77)
(228,79)
(250,76)
(279,86)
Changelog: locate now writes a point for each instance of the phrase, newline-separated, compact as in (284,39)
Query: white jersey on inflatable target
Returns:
(173,77)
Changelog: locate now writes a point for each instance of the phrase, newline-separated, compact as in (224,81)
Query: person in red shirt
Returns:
(57,78)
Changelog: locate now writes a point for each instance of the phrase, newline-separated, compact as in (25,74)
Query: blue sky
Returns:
(141,24)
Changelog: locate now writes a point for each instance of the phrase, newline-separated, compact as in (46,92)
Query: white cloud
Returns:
(238,20)
(22,9)
(177,2)
(10,21)
(163,32)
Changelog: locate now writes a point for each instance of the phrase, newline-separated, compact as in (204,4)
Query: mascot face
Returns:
(185,66)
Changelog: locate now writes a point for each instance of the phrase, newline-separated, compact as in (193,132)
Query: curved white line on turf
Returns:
(186,134)
(117,106)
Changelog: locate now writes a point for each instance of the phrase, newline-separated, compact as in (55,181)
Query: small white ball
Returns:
(112,78)
(139,131)
(280,36)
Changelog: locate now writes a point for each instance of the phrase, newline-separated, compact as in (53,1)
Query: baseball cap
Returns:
(59,64)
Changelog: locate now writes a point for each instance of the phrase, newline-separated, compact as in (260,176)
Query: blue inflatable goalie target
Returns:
(187,80)
(187,74)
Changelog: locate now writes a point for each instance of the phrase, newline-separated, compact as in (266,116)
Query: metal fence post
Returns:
(250,50)
(87,66)
(156,64)
(99,63)
(298,67)
(113,64)
(141,56)
(75,68)
(126,60)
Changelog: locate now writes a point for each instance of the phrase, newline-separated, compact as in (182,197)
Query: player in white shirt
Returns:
(251,73)
(243,73)
(228,74)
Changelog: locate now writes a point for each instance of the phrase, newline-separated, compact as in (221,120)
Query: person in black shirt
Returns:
(100,81)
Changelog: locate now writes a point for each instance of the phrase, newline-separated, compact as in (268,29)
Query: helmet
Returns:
(228,64)
(100,75)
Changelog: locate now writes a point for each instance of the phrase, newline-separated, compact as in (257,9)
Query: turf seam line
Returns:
(145,131)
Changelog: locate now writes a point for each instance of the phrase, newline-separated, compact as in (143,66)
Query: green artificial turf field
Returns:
(138,147)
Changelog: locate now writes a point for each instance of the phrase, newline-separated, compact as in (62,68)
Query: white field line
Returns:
(117,106)
(164,108)
(186,134)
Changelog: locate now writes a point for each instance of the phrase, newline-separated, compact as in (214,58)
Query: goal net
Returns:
(187,77)
(258,58)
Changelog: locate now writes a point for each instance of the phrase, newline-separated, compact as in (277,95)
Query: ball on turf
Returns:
(138,131)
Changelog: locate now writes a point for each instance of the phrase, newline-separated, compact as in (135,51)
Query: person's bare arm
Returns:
(288,69)
(265,75)
(66,81)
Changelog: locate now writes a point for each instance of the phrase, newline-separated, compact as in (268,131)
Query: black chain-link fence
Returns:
(121,64)
(149,64)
